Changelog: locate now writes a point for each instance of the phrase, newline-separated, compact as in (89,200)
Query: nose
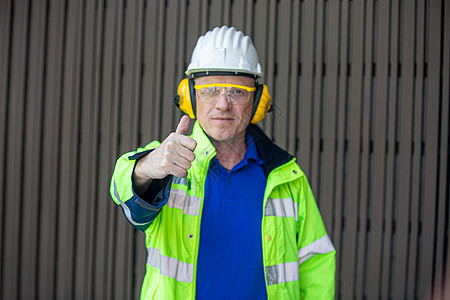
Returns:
(223,103)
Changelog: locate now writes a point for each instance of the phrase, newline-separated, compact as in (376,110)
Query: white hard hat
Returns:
(225,50)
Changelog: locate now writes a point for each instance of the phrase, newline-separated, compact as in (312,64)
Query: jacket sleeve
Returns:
(140,211)
(316,253)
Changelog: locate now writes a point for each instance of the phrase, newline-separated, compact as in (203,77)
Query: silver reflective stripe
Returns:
(189,204)
(282,208)
(282,273)
(179,180)
(126,210)
(321,246)
(169,266)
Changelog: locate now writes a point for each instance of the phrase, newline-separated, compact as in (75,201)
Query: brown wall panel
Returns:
(431,135)
(5,20)
(402,207)
(416,165)
(380,118)
(304,129)
(386,276)
(343,80)
(32,147)
(366,151)
(15,151)
(327,170)
(317,97)
(361,97)
(282,59)
(5,41)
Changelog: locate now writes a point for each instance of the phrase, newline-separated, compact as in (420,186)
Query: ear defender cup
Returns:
(185,99)
(261,103)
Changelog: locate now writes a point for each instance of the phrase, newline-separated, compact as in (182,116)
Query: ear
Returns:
(261,103)
(185,99)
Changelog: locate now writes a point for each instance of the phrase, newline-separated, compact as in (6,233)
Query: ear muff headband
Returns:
(186,100)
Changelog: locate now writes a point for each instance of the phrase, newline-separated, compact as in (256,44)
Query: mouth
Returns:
(222,119)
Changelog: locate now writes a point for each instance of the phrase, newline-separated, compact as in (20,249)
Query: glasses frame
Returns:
(249,89)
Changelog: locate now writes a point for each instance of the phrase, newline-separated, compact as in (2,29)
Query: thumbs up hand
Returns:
(172,157)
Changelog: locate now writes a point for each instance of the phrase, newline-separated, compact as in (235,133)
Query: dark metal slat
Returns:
(181,55)
(442,191)
(216,14)
(71,96)
(306,86)
(194,28)
(379,151)
(439,275)
(94,152)
(5,40)
(404,163)
(260,41)
(282,78)
(105,210)
(117,228)
(354,151)
(129,97)
(204,16)
(386,275)
(341,142)
(15,151)
(317,99)
(365,185)
(237,17)
(270,39)
(249,17)
(170,83)
(127,43)
(416,162)
(259,37)
(293,78)
(330,105)
(226,10)
(84,201)
(85,222)
(32,146)
(430,162)
(431,128)
(159,76)
(149,78)
(51,152)
(139,260)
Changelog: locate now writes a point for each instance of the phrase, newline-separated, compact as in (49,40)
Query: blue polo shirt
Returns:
(230,262)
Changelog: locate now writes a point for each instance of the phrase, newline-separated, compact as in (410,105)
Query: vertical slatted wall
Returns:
(361,97)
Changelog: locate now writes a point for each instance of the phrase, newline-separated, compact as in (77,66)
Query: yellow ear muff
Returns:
(261,103)
(184,99)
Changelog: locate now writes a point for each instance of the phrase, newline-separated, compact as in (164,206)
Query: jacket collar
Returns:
(271,155)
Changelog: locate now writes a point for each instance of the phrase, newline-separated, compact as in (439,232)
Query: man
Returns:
(227,214)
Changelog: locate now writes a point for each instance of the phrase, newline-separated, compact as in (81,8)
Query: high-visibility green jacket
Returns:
(298,256)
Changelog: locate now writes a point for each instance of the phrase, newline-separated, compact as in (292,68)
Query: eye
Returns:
(238,92)
(209,91)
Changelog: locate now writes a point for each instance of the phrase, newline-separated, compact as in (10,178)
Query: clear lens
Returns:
(234,94)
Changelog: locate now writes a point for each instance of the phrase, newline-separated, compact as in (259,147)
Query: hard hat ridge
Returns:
(225,49)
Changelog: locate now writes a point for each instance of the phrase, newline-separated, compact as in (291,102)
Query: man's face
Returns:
(220,119)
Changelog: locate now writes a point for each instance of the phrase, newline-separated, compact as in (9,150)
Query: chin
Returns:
(221,137)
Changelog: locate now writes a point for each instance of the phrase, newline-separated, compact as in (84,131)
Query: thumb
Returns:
(183,126)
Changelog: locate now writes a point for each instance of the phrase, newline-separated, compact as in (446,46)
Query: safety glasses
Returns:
(235,93)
